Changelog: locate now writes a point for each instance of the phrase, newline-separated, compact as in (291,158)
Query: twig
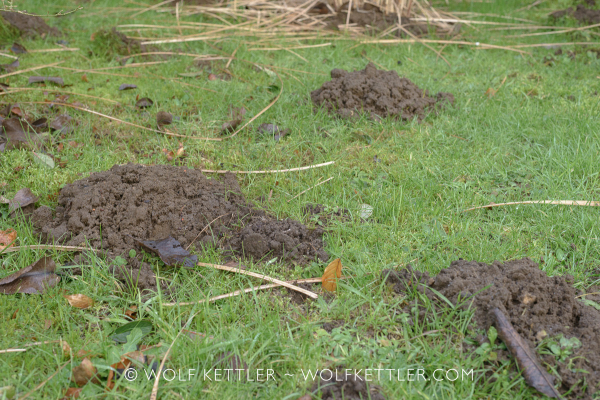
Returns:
(30,69)
(273,171)
(28,345)
(555,202)
(266,278)
(304,191)
(290,48)
(46,247)
(53,50)
(121,121)
(44,382)
(238,292)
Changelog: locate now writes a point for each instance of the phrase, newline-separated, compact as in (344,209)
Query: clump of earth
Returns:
(581,13)
(378,93)
(537,305)
(28,25)
(110,210)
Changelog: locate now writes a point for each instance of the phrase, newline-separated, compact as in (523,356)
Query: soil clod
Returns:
(531,301)
(378,93)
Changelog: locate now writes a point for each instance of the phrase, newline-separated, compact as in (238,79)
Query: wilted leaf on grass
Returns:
(42,79)
(144,102)
(164,118)
(10,67)
(237,116)
(40,124)
(7,238)
(63,124)
(32,279)
(43,159)
(121,333)
(170,252)
(535,375)
(72,393)
(23,198)
(366,211)
(18,135)
(272,129)
(18,48)
(332,273)
(79,300)
(84,373)
(127,86)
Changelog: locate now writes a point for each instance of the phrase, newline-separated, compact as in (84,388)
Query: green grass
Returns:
(531,141)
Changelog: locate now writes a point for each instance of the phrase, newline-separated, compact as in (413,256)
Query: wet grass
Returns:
(536,139)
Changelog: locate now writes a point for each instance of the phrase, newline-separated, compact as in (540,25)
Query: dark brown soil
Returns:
(27,25)
(110,209)
(531,300)
(338,384)
(581,13)
(376,92)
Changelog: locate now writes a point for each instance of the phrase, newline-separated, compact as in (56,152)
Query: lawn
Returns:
(534,136)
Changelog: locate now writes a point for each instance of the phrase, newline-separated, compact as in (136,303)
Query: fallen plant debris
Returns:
(10,67)
(377,93)
(28,25)
(43,79)
(170,252)
(581,13)
(144,102)
(273,130)
(84,373)
(155,202)
(79,300)
(535,375)
(20,135)
(127,86)
(33,279)
(163,118)
(541,309)
(7,238)
(237,116)
(332,273)
(23,198)
(18,48)
(63,123)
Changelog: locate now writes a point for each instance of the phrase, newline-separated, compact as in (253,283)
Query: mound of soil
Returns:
(112,209)
(378,92)
(28,25)
(532,301)
(343,386)
(581,13)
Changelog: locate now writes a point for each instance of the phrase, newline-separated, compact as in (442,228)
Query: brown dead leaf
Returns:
(43,79)
(20,135)
(18,48)
(491,92)
(180,150)
(84,78)
(16,110)
(83,353)
(40,124)
(63,124)
(131,312)
(84,373)
(170,155)
(66,348)
(15,314)
(7,238)
(23,198)
(212,77)
(170,252)
(79,301)
(10,67)
(164,118)
(48,324)
(331,274)
(237,116)
(144,102)
(72,393)
(32,279)
(535,375)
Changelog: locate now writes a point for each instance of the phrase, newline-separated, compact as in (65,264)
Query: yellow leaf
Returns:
(331,274)
(7,238)
(79,300)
